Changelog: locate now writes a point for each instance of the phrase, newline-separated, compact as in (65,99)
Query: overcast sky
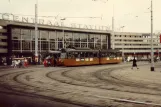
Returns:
(133,14)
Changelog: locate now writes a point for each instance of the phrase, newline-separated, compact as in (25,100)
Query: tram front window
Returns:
(63,55)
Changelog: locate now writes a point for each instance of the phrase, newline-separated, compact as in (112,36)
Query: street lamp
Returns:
(152,50)
(36,32)
(37,57)
(113,28)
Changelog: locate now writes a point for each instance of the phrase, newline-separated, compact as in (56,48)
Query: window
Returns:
(91,37)
(52,36)
(83,37)
(44,35)
(16,34)
(33,34)
(16,45)
(68,36)
(25,45)
(76,37)
(60,36)
(104,38)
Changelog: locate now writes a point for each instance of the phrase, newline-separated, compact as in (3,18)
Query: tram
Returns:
(78,57)
(110,56)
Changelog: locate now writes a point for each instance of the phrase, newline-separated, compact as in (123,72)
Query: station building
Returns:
(17,39)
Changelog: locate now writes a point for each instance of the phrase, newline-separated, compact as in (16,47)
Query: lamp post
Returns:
(152,50)
(36,33)
(113,28)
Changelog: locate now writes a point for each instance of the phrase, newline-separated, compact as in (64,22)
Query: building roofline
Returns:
(41,26)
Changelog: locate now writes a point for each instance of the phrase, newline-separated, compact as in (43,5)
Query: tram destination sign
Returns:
(25,19)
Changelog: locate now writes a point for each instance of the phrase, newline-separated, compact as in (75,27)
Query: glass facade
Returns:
(24,40)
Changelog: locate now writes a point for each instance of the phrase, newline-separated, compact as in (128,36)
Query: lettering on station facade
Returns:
(25,19)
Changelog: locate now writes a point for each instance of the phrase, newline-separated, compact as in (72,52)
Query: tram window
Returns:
(95,54)
(86,54)
(69,55)
(72,55)
(76,54)
(90,54)
(82,55)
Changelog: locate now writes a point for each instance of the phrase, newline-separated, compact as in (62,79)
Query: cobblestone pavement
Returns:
(114,85)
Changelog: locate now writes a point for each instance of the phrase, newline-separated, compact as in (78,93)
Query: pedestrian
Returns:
(55,63)
(134,63)
(13,64)
(16,64)
(20,64)
(25,62)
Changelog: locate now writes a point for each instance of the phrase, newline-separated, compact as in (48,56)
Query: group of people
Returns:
(19,63)
(50,61)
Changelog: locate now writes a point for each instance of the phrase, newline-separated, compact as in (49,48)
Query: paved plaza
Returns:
(114,85)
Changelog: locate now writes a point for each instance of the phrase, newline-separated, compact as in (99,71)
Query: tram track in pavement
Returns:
(63,81)
(124,82)
(133,86)
(109,80)
(56,90)
(13,91)
(33,94)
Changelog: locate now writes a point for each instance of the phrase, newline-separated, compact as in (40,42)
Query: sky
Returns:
(134,15)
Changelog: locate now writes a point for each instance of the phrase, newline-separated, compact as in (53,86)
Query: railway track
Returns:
(75,87)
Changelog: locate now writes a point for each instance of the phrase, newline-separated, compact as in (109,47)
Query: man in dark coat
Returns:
(134,63)
(55,61)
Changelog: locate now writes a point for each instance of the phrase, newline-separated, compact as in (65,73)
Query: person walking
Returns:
(134,63)
(55,61)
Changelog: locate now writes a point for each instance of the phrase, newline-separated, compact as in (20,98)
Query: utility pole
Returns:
(36,34)
(152,50)
(113,32)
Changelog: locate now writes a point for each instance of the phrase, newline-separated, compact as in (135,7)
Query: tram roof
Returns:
(111,50)
(54,51)
(81,50)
